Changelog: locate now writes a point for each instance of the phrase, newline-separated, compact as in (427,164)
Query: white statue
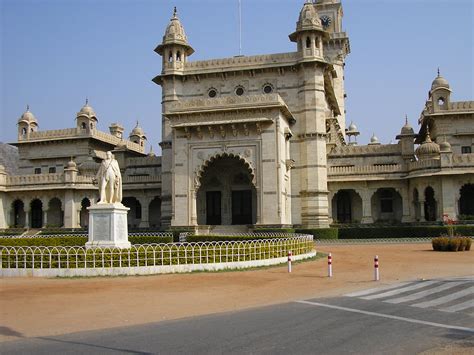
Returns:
(110,180)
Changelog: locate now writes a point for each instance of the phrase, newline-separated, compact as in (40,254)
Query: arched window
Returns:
(83,125)
(308,42)
(170,57)
(178,56)
(430,204)
(441,101)
(23,131)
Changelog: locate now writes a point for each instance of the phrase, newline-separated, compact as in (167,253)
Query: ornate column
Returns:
(144,221)
(406,217)
(366,206)
(27,217)
(45,217)
(193,195)
(422,210)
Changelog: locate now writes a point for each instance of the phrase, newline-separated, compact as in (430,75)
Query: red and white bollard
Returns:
(376,268)
(329,265)
(289,261)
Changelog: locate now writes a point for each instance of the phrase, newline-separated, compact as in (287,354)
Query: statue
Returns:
(109,180)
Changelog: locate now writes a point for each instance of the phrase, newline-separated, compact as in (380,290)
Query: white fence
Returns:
(153,254)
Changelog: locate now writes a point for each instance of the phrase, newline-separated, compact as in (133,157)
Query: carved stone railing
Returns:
(140,179)
(55,133)
(383,149)
(461,106)
(106,137)
(365,170)
(463,160)
(143,161)
(424,164)
(242,61)
(37,179)
(227,102)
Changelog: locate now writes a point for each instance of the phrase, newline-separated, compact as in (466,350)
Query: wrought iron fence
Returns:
(75,235)
(153,254)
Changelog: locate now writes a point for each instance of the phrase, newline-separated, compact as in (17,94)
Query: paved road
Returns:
(405,318)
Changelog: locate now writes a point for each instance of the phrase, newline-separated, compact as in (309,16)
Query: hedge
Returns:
(223,238)
(402,232)
(273,230)
(75,241)
(451,244)
(321,233)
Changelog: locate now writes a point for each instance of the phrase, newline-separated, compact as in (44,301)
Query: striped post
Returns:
(289,261)
(329,265)
(376,268)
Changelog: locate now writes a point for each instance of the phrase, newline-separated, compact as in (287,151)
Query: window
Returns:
(178,56)
(212,92)
(466,150)
(386,201)
(37,170)
(308,42)
(267,89)
(441,101)
(83,125)
(239,91)
(52,170)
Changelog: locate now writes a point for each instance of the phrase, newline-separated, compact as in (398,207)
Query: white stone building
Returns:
(251,140)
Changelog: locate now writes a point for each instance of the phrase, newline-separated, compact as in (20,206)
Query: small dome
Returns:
(89,167)
(374,140)
(28,117)
(71,164)
(352,127)
(428,149)
(87,110)
(445,147)
(439,82)
(407,129)
(151,154)
(175,34)
(137,131)
(308,20)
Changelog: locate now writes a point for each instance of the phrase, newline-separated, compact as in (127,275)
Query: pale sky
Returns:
(55,53)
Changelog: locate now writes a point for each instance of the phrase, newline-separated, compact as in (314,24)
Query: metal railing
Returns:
(153,254)
(83,234)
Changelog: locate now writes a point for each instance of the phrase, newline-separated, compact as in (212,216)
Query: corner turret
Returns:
(27,123)
(86,119)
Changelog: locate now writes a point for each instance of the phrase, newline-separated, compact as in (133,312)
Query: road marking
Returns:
(445,299)
(418,295)
(400,290)
(377,289)
(459,306)
(381,315)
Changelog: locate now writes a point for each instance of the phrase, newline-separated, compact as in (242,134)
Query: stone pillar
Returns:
(448,198)
(406,217)
(45,218)
(422,211)
(144,221)
(27,217)
(193,195)
(366,207)
(4,213)
(71,215)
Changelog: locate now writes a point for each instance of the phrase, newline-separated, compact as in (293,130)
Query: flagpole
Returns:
(240,27)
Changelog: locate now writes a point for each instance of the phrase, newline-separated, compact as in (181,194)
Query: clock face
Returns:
(325,21)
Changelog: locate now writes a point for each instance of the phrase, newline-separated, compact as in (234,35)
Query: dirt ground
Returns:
(43,307)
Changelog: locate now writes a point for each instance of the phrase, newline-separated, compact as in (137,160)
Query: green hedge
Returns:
(321,233)
(273,230)
(223,238)
(75,241)
(402,232)
(451,244)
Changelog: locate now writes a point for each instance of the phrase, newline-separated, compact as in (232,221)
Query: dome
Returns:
(445,147)
(407,129)
(28,117)
(439,82)
(352,127)
(374,140)
(87,110)
(137,131)
(175,34)
(309,20)
(428,149)
(89,167)
(71,164)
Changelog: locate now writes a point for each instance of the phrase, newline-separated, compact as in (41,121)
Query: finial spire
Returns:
(439,74)
(87,101)
(27,107)
(406,119)
(175,12)
(428,137)
(137,124)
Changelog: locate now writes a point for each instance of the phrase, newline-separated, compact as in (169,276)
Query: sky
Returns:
(55,53)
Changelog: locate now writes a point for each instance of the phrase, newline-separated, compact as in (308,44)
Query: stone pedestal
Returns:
(108,226)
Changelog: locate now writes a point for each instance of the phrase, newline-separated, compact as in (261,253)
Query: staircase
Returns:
(229,230)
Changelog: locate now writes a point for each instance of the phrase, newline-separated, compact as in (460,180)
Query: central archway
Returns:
(226,194)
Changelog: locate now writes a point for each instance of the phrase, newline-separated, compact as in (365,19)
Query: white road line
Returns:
(418,295)
(400,290)
(409,320)
(377,289)
(459,306)
(445,299)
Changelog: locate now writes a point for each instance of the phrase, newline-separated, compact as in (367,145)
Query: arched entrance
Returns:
(18,213)
(55,214)
(466,202)
(154,213)
(226,194)
(134,216)
(347,206)
(36,214)
(85,212)
(430,205)
(387,206)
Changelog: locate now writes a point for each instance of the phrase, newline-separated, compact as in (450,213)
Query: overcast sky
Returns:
(55,53)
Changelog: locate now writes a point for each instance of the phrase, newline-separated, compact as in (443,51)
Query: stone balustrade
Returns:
(364,170)
(38,179)
(383,149)
(55,133)
(462,106)
(141,179)
(424,164)
(460,160)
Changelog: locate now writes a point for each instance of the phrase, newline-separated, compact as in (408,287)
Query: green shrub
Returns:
(75,241)
(464,230)
(451,243)
(392,232)
(321,233)
(153,239)
(223,238)
(273,230)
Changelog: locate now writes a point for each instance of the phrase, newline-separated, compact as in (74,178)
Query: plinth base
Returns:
(108,226)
